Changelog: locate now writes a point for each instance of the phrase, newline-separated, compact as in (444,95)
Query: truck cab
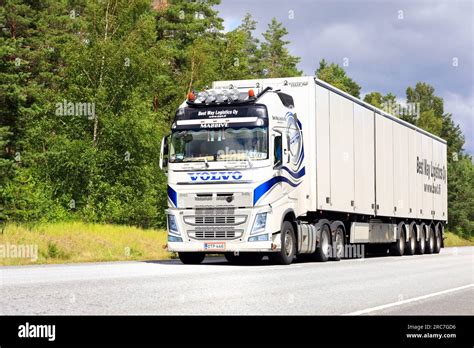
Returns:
(235,162)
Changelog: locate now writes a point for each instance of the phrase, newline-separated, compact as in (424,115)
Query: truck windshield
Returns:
(227,144)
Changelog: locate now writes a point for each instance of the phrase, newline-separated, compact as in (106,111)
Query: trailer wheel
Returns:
(411,245)
(398,248)
(338,249)
(191,258)
(421,244)
(321,253)
(438,241)
(430,242)
(288,246)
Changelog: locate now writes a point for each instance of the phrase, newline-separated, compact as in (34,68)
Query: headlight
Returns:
(259,223)
(172,225)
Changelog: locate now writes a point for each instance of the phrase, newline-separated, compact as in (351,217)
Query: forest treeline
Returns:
(89,87)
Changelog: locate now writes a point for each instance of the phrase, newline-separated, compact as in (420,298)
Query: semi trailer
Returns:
(294,167)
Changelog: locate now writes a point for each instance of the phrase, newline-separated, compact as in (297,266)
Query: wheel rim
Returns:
(412,243)
(288,244)
(339,246)
(431,241)
(324,243)
(402,243)
(422,242)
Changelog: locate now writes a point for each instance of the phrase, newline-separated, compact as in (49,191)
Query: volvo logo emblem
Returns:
(215,176)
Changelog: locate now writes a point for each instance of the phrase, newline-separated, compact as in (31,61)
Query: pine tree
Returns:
(276,61)
(336,76)
(251,47)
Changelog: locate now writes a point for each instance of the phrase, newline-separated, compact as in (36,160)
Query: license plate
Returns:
(214,246)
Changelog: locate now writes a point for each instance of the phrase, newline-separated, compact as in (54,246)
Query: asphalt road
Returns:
(424,284)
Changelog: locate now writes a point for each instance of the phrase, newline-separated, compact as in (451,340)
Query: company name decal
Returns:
(215,176)
(218,113)
(432,171)
(214,125)
(296,83)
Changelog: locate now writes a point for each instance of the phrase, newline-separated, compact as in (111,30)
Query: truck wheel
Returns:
(421,244)
(230,257)
(398,248)
(321,253)
(430,242)
(411,245)
(288,246)
(438,241)
(191,258)
(338,249)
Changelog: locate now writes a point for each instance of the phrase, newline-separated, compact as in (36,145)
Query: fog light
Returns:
(174,239)
(260,238)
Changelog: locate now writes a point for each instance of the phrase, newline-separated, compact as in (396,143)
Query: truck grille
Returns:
(215,217)
(215,233)
(214,220)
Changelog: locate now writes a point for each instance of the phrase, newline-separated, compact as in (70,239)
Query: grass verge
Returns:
(79,242)
(453,240)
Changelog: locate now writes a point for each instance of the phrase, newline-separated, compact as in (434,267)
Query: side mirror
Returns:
(164,154)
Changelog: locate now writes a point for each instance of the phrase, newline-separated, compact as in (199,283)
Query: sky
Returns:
(384,46)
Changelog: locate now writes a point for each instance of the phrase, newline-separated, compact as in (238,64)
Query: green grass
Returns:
(81,242)
(453,240)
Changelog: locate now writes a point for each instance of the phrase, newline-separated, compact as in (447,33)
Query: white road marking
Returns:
(399,303)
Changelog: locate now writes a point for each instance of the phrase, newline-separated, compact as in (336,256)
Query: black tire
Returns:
(438,241)
(421,243)
(230,257)
(321,254)
(288,246)
(398,248)
(410,247)
(191,258)
(430,242)
(338,249)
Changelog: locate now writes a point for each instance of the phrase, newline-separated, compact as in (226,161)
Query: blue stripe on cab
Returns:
(298,175)
(173,196)
(260,190)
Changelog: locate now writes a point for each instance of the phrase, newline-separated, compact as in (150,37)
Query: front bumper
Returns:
(189,221)
(200,246)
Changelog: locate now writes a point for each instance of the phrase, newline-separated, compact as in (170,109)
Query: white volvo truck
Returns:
(294,167)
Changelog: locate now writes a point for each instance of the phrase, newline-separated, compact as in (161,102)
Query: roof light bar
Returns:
(219,96)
